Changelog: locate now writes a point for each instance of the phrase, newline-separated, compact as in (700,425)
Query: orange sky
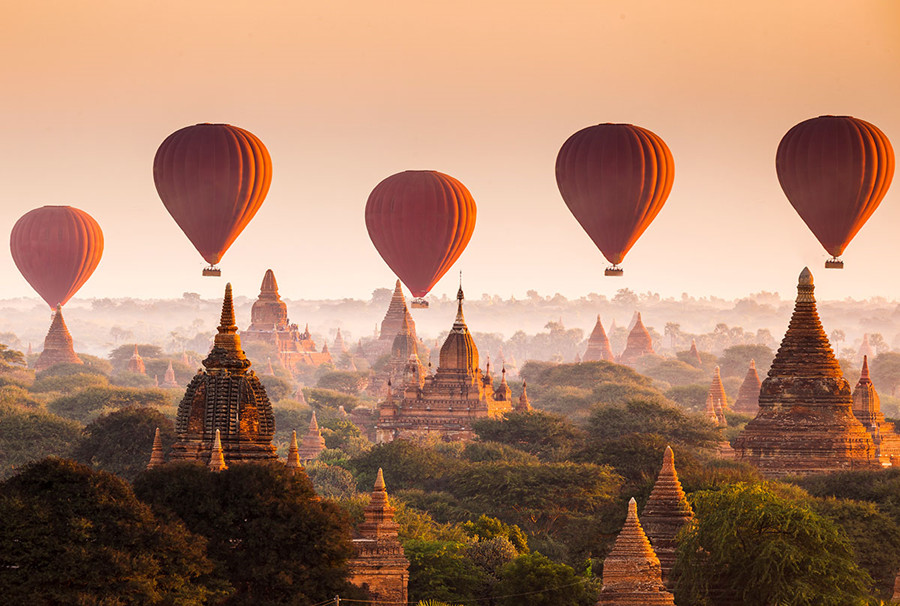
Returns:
(344,94)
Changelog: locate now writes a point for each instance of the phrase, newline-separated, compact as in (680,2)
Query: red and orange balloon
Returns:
(835,170)
(212,178)
(420,221)
(615,179)
(56,248)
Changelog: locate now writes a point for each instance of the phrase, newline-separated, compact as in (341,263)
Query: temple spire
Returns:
(217,456)
(313,443)
(748,395)
(58,345)
(226,351)
(293,457)
(666,512)
(157,456)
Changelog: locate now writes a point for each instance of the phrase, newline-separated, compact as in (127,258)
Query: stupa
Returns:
(666,512)
(631,571)
(747,401)
(169,377)
(717,396)
(157,456)
(639,343)
(867,408)
(523,404)
(313,443)
(58,345)
(225,396)
(805,422)
(695,359)
(865,349)
(136,363)
(403,349)
(598,345)
(397,312)
(339,346)
(447,403)
(378,563)
(293,457)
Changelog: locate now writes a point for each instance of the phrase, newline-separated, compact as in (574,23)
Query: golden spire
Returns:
(217,456)
(226,351)
(156,454)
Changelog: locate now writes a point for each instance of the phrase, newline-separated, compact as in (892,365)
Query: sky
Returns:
(346,93)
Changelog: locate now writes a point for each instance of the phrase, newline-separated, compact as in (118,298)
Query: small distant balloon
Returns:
(212,178)
(615,178)
(420,221)
(835,170)
(56,248)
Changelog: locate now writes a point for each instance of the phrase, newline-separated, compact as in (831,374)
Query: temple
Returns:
(339,346)
(694,355)
(631,571)
(404,352)
(395,317)
(58,345)
(379,564)
(747,401)
(867,408)
(293,457)
(639,343)
(666,512)
(169,377)
(447,403)
(805,422)
(598,345)
(865,349)
(225,397)
(717,396)
(157,456)
(269,324)
(136,363)
(313,443)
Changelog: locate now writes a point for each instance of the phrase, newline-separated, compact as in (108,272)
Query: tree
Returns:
(120,442)
(28,435)
(319,398)
(439,570)
(405,465)
(672,424)
(674,372)
(74,536)
(486,528)
(752,545)
(276,388)
(268,533)
(689,397)
(885,370)
(120,355)
(484,452)
(11,358)
(539,433)
(736,359)
(534,580)
(69,384)
(87,402)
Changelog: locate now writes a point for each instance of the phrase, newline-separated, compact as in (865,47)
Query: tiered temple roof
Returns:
(639,343)
(227,397)
(169,377)
(666,512)
(313,443)
(58,345)
(339,346)
(379,564)
(598,345)
(397,313)
(805,422)
(748,395)
(631,571)
(867,408)
(136,363)
(717,396)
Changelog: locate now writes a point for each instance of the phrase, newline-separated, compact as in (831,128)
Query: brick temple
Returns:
(639,343)
(666,512)
(598,345)
(394,318)
(867,408)
(805,422)
(747,401)
(58,345)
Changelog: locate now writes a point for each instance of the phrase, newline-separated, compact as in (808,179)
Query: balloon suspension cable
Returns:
(834,263)
(212,270)
(613,270)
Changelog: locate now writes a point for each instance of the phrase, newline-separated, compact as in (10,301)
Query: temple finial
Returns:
(227,323)
(293,457)
(217,456)
(379,481)
(156,454)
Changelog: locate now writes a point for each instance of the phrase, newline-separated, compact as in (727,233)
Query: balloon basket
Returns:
(615,270)
(834,263)
(212,271)
(419,303)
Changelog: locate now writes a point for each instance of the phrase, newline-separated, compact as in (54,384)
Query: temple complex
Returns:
(639,343)
(695,358)
(867,408)
(379,564)
(269,324)
(313,443)
(805,422)
(666,512)
(397,314)
(598,345)
(748,395)
(631,571)
(447,403)
(136,363)
(717,396)
(169,377)
(225,397)
(58,345)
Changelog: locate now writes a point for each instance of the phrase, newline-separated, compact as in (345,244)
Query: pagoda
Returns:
(392,324)
(805,422)
(447,403)
(639,343)
(748,395)
(867,408)
(523,404)
(293,457)
(269,324)
(169,377)
(313,443)
(694,355)
(226,398)
(136,363)
(404,350)
(631,572)
(378,563)
(157,456)
(339,346)
(865,349)
(58,345)
(666,512)
(598,345)
(717,396)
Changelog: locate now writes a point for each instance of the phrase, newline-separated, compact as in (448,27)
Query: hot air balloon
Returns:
(835,170)
(212,178)
(420,222)
(615,179)
(56,248)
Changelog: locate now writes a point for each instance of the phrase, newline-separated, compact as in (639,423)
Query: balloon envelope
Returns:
(212,178)
(56,248)
(835,170)
(615,179)
(420,223)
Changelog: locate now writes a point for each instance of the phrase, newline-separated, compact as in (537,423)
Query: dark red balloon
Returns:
(835,170)
(56,248)
(420,223)
(615,179)
(212,178)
